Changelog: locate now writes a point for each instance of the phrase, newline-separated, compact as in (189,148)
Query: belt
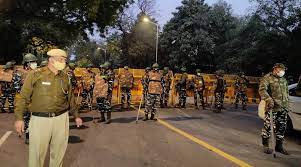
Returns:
(47,114)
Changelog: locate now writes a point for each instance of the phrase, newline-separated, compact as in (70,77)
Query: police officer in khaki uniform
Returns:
(47,94)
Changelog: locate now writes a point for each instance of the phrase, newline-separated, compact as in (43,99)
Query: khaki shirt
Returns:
(43,91)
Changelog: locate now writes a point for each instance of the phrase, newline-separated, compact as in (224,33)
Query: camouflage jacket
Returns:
(183,81)
(220,85)
(167,80)
(241,84)
(144,81)
(198,83)
(274,90)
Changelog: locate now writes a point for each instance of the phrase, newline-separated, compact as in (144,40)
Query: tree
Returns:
(279,15)
(56,21)
(186,39)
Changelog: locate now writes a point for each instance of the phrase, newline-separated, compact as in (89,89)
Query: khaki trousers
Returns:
(44,131)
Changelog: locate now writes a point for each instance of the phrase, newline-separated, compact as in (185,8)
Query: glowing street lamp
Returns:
(145,19)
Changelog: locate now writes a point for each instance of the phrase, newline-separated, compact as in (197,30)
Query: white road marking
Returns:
(4,137)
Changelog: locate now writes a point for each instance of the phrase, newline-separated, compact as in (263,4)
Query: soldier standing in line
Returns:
(241,85)
(7,89)
(154,92)
(101,93)
(182,88)
(109,73)
(145,81)
(166,82)
(220,90)
(126,81)
(273,89)
(88,86)
(199,87)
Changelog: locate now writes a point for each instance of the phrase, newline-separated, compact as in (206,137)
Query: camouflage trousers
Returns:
(164,96)
(241,96)
(182,97)
(152,102)
(219,100)
(280,119)
(126,96)
(87,96)
(10,95)
(201,96)
(103,105)
(144,96)
(26,117)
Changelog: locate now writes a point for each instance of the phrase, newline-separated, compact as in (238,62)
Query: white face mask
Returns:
(33,65)
(199,74)
(281,73)
(59,66)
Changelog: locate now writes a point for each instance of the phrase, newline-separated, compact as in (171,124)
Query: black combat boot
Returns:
(279,147)
(244,108)
(196,106)
(145,117)
(265,143)
(236,106)
(203,105)
(102,117)
(3,110)
(26,138)
(153,117)
(108,121)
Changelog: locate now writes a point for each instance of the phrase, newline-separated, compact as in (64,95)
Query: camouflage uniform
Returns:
(166,82)
(87,93)
(111,77)
(274,90)
(126,80)
(220,92)
(144,81)
(182,89)
(199,87)
(8,90)
(101,92)
(154,92)
(241,85)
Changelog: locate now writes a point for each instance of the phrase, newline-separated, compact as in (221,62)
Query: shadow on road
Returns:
(182,118)
(124,120)
(74,140)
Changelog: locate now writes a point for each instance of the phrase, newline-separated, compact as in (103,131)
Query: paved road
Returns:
(152,144)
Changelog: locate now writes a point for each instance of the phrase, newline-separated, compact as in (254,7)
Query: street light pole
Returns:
(157,37)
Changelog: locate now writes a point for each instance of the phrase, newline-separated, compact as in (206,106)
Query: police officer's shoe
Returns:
(279,148)
(265,143)
(145,117)
(153,117)
(244,108)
